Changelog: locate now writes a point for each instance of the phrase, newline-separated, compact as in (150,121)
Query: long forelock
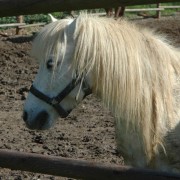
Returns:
(51,41)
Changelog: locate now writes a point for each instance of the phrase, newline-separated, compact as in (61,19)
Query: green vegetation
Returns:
(29,19)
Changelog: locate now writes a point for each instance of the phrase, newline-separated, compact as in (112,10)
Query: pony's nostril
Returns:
(42,119)
(25,116)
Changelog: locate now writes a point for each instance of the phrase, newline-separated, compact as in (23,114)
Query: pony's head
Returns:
(58,87)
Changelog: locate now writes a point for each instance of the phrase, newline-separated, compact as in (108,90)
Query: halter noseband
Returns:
(55,101)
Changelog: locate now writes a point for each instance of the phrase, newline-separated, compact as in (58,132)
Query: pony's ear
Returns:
(53,19)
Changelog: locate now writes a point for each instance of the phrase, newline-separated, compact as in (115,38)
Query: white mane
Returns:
(135,74)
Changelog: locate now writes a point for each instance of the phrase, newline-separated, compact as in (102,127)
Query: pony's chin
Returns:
(38,129)
(33,126)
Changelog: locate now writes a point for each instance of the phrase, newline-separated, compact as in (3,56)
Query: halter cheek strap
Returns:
(55,101)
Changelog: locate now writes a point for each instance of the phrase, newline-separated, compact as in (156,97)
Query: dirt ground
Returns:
(87,133)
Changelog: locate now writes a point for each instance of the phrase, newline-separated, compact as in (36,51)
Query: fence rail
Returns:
(170,7)
(76,168)
(31,25)
(21,25)
(144,9)
(12,25)
(22,7)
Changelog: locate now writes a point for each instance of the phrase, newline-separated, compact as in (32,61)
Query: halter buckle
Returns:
(54,101)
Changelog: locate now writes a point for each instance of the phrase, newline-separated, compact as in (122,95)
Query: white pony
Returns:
(134,71)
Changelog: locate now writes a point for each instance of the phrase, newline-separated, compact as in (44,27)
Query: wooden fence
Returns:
(134,10)
(158,9)
(12,25)
(79,169)
(20,26)
(22,7)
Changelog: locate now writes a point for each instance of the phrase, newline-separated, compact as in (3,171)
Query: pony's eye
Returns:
(50,64)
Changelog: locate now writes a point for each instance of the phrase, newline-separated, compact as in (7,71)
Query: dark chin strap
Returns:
(55,101)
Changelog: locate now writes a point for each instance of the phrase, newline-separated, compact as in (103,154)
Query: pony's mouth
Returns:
(41,121)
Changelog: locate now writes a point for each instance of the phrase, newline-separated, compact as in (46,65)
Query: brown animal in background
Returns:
(118,11)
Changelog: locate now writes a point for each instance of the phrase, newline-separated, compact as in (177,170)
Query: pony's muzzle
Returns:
(40,122)
(25,116)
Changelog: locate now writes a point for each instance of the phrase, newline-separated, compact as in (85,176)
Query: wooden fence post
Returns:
(19,20)
(158,12)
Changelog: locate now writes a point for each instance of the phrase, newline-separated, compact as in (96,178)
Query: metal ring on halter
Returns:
(55,101)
